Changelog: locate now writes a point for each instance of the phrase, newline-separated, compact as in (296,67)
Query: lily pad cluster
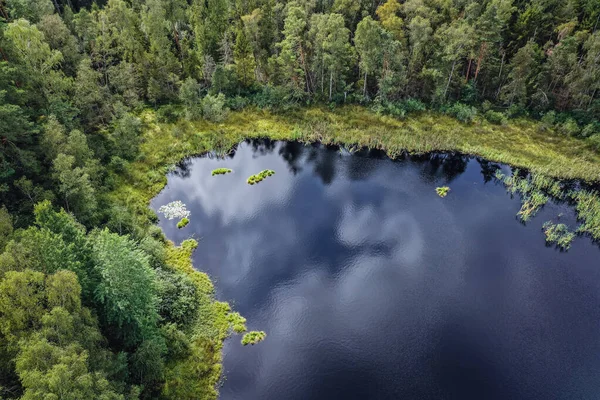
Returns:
(253,337)
(256,178)
(442,191)
(221,171)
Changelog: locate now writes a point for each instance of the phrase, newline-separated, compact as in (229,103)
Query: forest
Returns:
(94,301)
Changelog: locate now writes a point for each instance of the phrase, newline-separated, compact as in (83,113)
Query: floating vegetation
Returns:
(588,212)
(175,209)
(221,171)
(237,322)
(558,234)
(183,223)
(253,337)
(442,191)
(260,176)
(531,190)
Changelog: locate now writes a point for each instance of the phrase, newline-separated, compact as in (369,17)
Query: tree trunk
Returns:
(330,84)
(500,74)
(482,51)
(468,70)
(449,79)
(365,86)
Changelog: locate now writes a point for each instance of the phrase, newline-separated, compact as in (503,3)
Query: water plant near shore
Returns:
(531,190)
(558,234)
(183,223)
(221,171)
(253,337)
(256,178)
(442,191)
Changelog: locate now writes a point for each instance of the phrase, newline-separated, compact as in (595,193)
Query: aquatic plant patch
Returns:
(183,223)
(173,210)
(253,337)
(256,178)
(221,171)
(442,191)
(559,234)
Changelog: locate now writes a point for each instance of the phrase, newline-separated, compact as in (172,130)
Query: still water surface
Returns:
(370,286)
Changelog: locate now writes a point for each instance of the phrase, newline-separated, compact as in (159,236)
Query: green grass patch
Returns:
(558,234)
(256,178)
(183,223)
(221,171)
(442,191)
(253,337)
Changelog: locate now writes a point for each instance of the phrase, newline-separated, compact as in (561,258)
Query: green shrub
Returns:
(462,112)
(213,107)
(569,127)
(495,117)
(594,140)
(590,129)
(548,120)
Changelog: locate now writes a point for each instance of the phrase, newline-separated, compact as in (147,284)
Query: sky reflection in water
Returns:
(371,286)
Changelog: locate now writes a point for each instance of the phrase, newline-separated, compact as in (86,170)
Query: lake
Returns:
(371,286)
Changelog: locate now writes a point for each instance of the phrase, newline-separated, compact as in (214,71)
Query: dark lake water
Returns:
(370,286)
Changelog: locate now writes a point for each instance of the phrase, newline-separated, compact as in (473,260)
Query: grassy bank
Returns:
(521,143)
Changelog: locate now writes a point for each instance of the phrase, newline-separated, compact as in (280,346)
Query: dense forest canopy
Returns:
(93,302)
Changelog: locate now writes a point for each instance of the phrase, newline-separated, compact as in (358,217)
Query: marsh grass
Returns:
(256,178)
(183,223)
(442,191)
(587,207)
(253,337)
(558,234)
(531,189)
(519,143)
(221,171)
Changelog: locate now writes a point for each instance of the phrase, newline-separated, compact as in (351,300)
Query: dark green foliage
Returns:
(495,117)
(73,87)
(462,112)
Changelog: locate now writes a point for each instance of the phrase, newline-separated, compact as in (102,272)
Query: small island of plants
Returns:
(221,171)
(253,337)
(442,191)
(183,223)
(256,178)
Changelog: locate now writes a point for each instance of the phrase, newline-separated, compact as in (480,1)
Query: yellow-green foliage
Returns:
(183,223)
(519,143)
(558,234)
(588,212)
(256,178)
(221,171)
(531,191)
(253,337)
(442,191)
(214,323)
